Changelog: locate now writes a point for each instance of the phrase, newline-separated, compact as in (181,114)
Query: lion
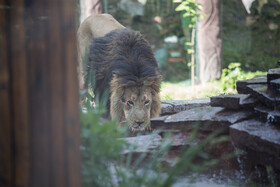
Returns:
(124,67)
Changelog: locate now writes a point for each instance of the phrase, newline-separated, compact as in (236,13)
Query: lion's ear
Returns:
(153,82)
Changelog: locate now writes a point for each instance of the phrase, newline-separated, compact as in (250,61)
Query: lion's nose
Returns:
(139,122)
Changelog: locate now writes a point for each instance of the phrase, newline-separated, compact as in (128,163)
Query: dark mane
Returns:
(123,52)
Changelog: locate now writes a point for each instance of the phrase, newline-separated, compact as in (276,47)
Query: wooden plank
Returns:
(5,110)
(36,15)
(57,95)
(72,108)
(19,95)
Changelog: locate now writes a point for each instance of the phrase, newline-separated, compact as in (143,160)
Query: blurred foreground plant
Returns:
(105,164)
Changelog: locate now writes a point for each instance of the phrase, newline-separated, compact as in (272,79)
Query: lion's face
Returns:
(136,106)
(135,102)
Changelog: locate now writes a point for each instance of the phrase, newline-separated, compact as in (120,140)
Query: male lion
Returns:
(123,63)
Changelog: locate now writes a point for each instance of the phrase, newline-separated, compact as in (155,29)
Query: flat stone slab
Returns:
(273,74)
(208,118)
(144,143)
(262,138)
(248,102)
(268,115)
(148,143)
(266,97)
(241,86)
(233,101)
(274,85)
(167,109)
(174,106)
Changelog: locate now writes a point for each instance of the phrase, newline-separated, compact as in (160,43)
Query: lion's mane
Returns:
(120,59)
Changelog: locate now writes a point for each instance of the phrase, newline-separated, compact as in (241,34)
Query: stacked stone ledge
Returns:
(260,135)
(251,118)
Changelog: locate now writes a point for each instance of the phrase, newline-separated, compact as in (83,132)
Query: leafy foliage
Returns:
(100,144)
(190,13)
(234,73)
(190,9)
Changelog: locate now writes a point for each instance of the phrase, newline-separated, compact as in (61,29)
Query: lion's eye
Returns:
(123,100)
(130,103)
(147,102)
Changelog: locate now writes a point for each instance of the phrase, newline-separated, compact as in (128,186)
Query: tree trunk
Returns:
(39,114)
(209,41)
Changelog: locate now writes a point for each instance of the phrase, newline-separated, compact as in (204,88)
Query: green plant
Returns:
(190,9)
(234,73)
(230,75)
(100,145)
(190,13)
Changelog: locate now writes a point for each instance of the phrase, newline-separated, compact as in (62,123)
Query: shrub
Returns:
(234,73)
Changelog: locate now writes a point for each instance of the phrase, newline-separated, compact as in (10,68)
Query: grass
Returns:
(226,85)
(181,91)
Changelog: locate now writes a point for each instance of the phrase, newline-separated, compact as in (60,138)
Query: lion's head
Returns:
(134,103)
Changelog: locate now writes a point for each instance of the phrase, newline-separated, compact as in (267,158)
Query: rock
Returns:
(179,140)
(233,101)
(273,74)
(274,86)
(241,86)
(144,143)
(208,118)
(174,106)
(226,101)
(248,102)
(167,109)
(261,138)
(148,143)
(158,121)
(266,97)
(268,115)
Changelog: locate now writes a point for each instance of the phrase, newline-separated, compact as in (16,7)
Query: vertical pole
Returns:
(193,56)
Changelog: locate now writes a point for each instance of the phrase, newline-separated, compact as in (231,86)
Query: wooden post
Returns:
(39,111)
